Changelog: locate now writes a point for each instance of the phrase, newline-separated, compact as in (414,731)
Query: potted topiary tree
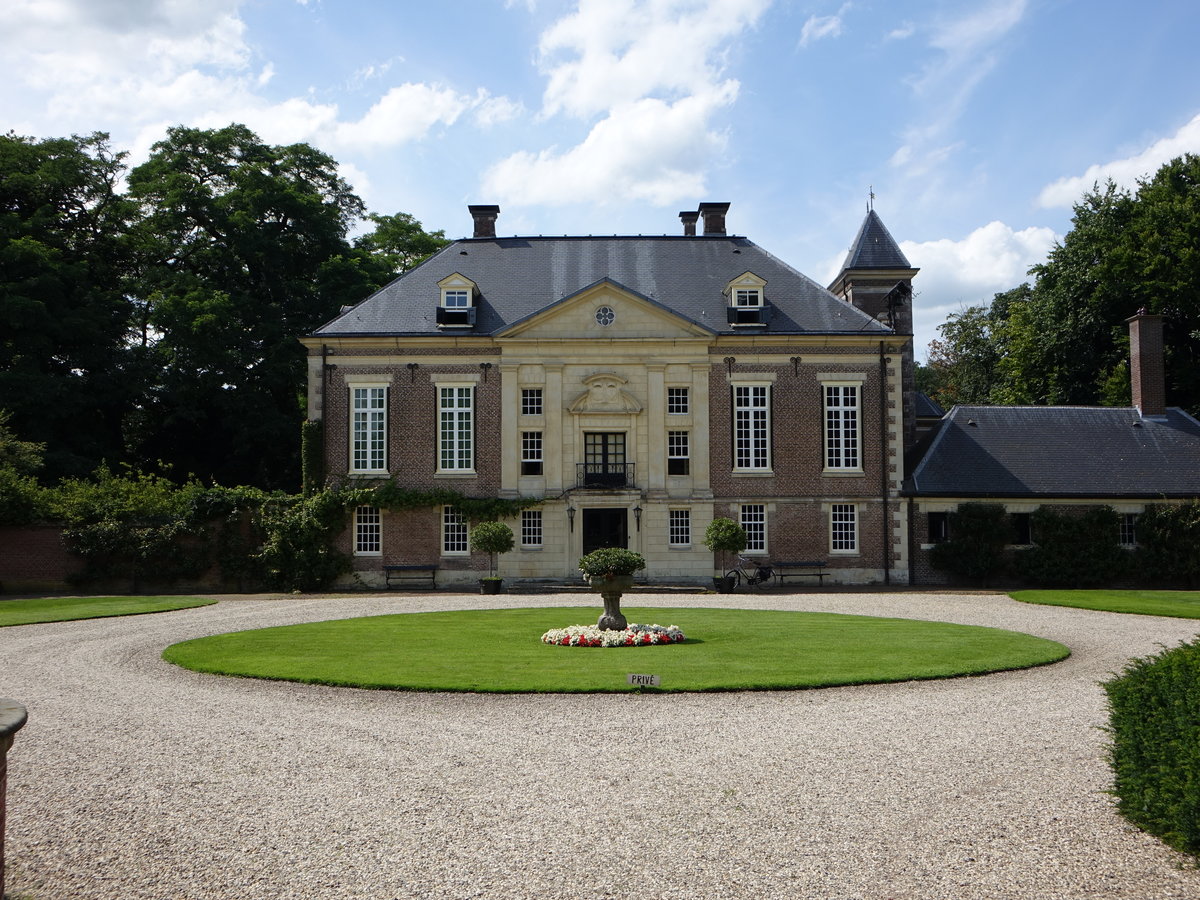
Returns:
(724,537)
(609,571)
(491,538)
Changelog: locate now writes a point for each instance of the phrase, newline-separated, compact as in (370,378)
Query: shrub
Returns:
(491,538)
(611,561)
(1169,542)
(1154,719)
(1080,550)
(978,535)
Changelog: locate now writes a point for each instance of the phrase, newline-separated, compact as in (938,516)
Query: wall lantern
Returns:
(637,516)
(571,517)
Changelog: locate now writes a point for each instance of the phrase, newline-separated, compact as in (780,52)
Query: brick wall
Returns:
(33,559)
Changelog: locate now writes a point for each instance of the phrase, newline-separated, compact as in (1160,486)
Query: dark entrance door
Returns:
(605,528)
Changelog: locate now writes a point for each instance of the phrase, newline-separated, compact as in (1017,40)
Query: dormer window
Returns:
(456,306)
(747,301)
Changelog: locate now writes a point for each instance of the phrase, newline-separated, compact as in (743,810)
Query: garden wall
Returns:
(34,559)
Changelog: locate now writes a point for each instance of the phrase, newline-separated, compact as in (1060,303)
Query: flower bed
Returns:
(634,635)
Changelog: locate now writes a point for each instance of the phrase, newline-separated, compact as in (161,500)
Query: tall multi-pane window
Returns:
(531,528)
(841,427)
(679,527)
(531,401)
(753,519)
(454,531)
(1129,530)
(843,528)
(531,453)
(751,427)
(677,401)
(456,429)
(368,437)
(368,531)
(678,452)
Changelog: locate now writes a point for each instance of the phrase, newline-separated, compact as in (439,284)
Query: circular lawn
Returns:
(499,650)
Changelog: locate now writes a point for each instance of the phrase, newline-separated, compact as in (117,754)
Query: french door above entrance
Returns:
(604,464)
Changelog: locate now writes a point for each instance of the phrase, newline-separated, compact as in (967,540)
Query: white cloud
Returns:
(906,30)
(1125,172)
(969,272)
(491,110)
(818,27)
(403,114)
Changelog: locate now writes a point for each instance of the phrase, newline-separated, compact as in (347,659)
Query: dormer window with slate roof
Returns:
(456,307)
(747,301)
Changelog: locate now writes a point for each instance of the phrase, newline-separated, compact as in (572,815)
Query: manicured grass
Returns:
(1176,604)
(501,651)
(64,609)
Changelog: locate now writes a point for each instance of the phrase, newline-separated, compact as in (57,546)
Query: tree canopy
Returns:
(1063,338)
(159,323)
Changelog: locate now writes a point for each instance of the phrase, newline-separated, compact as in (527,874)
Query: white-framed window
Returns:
(753,519)
(747,297)
(531,401)
(679,527)
(456,429)
(1128,536)
(678,401)
(752,427)
(454,533)
(531,453)
(368,429)
(531,528)
(456,298)
(368,531)
(843,528)
(841,427)
(678,452)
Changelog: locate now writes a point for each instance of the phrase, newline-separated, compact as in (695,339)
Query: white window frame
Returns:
(842,426)
(456,429)
(368,428)
(368,531)
(753,418)
(531,528)
(679,401)
(532,402)
(532,452)
(753,519)
(1127,535)
(455,538)
(679,446)
(456,298)
(679,528)
(843,529)
(748,297)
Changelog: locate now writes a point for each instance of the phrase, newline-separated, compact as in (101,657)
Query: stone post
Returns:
(12,718)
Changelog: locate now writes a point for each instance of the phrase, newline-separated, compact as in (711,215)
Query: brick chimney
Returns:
(689,222)
(485,220)
(1146,363)
(714,217)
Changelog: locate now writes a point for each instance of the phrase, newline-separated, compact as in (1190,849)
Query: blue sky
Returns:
(977,124)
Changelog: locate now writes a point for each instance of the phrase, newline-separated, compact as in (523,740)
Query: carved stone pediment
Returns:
(605,394)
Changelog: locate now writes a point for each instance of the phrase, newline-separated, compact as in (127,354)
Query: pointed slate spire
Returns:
(875,248)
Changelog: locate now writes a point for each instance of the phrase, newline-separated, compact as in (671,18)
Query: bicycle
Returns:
(751,570)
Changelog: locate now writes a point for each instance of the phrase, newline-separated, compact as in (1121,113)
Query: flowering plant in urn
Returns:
(609,571)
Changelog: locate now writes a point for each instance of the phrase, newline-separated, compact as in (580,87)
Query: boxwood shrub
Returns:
(1154,721)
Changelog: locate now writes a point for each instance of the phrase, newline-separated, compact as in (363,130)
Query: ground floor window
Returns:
(1022,529)
(939,527)
(679,527)
(454,532)
(753,519)
(368,531)
(1129,530)
(531,528)
(843,528)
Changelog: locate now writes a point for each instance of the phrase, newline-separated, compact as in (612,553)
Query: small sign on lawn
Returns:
(644,680)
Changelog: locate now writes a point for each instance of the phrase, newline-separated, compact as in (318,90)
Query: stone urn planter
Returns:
(609,572)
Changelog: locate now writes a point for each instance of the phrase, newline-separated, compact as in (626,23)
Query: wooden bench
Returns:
(414,576)
(810,564)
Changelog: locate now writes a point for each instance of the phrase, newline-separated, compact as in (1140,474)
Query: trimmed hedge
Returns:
(1154,717)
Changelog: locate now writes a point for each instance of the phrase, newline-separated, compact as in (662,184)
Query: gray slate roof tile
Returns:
(875,248)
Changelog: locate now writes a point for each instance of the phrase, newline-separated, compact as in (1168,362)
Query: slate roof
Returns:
(927,407)
(1060,452)
(875,248)
(520,276)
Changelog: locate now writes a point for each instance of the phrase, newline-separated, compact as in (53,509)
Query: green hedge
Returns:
(1077,549)
(1154,714)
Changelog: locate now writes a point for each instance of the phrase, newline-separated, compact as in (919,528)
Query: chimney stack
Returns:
(689,222)
(714,217)
(485,220)
(1146,363)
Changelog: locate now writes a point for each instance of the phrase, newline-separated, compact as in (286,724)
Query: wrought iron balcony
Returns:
(604,475)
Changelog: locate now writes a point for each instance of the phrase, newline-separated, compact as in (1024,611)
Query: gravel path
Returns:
(135,779)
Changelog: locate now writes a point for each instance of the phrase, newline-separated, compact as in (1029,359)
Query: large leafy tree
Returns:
(243,249)
(67,372)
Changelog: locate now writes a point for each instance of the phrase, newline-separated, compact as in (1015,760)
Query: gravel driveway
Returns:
(135,779)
